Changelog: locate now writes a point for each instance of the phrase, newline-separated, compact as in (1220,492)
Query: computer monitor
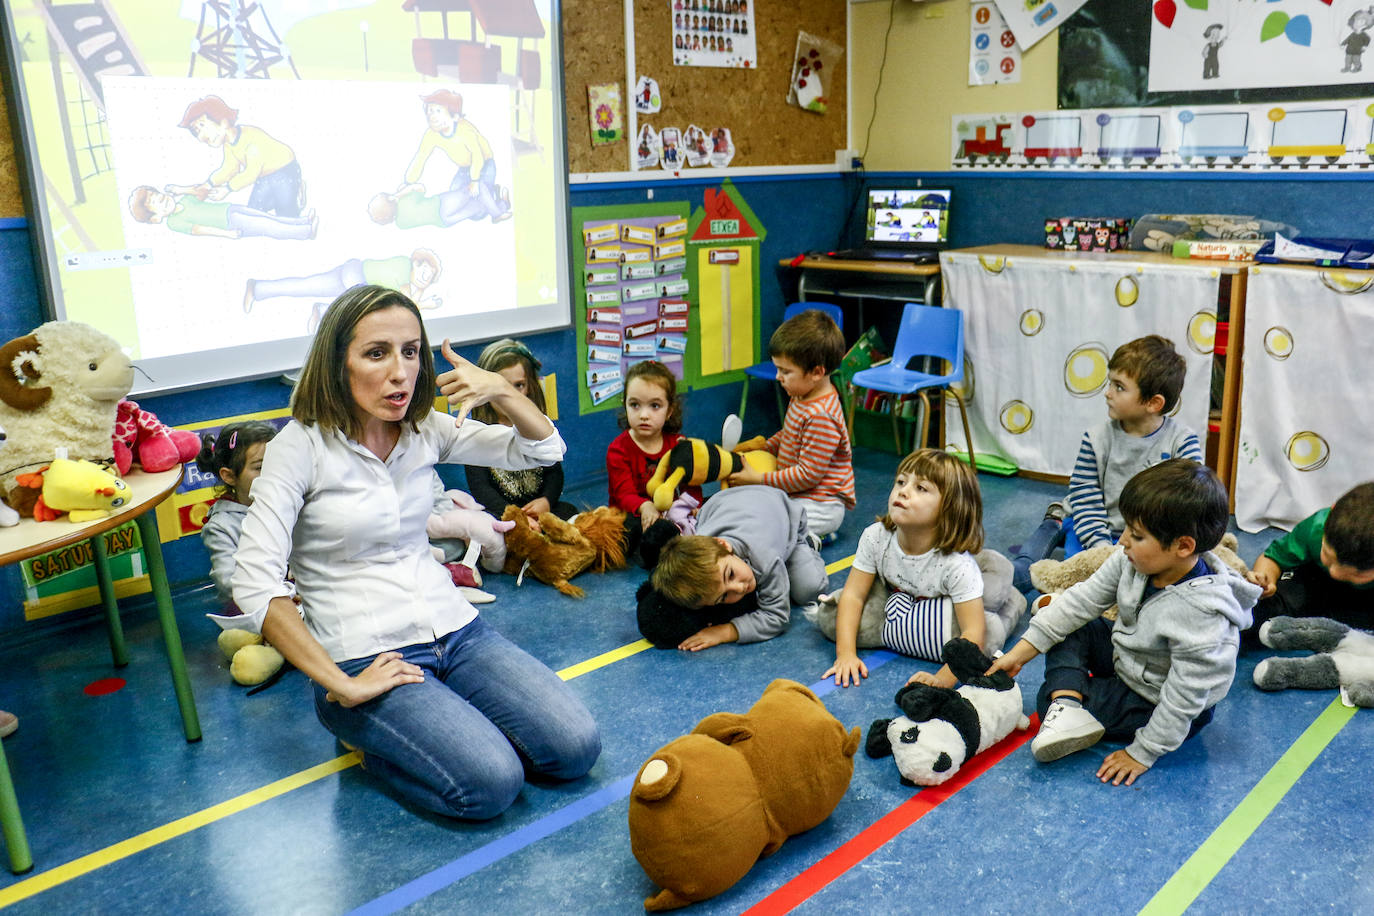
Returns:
(911,218)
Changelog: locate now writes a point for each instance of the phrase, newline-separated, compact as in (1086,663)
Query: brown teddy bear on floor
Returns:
(1055,576)
(707,805)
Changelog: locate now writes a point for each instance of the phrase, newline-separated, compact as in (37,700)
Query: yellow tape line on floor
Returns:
(43,881)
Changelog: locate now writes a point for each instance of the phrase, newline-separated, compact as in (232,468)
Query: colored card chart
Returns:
(1288,136)
(635,297)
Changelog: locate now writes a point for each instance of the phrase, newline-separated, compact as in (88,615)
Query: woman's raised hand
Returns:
(466,386)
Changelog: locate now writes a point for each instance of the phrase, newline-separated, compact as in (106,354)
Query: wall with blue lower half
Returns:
(800,213)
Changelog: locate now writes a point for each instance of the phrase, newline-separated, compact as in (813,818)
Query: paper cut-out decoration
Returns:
(649,149)
(722,147)
(672,157)
(813,67)
(647,98)
(698,147)
(1032,20)
(607,113)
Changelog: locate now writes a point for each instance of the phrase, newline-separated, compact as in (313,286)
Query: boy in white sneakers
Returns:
(1153,677)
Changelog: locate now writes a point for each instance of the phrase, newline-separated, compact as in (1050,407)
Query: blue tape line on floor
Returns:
(498,849)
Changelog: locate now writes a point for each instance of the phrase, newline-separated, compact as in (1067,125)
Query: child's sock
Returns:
(1068,701)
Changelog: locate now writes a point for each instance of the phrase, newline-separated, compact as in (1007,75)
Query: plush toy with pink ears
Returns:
(470,522)
(139,436)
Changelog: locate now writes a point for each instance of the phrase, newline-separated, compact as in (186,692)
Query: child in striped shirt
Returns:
(815,462)
(1144,382)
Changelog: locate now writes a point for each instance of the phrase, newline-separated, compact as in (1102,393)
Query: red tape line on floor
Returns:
(801,888)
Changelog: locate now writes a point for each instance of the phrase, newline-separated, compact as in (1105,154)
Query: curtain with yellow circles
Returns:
(1039,332)
(1307,418)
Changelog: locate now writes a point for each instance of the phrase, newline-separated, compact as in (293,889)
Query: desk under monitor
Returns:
(841,279)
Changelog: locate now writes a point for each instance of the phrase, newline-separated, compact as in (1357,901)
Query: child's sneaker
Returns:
(8,723)
(815,542)
(1066,729)
(830,538)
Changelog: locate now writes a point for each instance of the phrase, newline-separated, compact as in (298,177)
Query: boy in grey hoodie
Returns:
(749,539)
(1158,671)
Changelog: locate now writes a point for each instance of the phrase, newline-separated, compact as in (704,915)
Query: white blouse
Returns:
(353,530)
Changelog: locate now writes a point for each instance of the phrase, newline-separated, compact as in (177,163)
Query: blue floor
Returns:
(105,782)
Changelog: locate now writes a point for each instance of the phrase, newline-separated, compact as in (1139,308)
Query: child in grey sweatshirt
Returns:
(1152,677)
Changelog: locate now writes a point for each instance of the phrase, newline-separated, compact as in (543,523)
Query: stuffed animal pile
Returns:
(1003,606)
(707,805)
(59,388)
(941,728)
(597,540)
(1344,658)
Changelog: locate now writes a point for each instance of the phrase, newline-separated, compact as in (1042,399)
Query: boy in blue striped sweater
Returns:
(1144,381)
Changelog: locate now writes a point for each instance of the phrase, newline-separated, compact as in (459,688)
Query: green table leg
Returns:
(21,860)
(166,617)
(107,597)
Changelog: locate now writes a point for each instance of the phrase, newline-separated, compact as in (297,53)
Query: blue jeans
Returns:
(279,192)
(462,742)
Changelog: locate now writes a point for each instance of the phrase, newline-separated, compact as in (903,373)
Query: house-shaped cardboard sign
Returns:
(723,239)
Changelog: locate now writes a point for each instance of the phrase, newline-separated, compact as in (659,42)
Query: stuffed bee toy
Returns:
(693,462)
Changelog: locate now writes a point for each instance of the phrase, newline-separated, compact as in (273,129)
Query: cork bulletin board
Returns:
(767,130)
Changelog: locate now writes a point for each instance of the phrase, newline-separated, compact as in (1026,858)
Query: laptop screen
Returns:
(908,217)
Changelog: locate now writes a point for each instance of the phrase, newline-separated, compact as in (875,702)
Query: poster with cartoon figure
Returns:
(713,33)
(1198,44)
(1032,20)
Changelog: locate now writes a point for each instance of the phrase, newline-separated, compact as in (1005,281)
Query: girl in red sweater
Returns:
(652,422)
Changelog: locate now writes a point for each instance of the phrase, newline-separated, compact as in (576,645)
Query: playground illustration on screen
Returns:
(223,197)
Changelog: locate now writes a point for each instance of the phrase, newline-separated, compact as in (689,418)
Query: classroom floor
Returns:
(1268,809)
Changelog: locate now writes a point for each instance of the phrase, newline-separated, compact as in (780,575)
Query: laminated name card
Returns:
(638,291)
(603,254)
(674,287)
(603,336)
(641,234)
(607,233)
(670,266)
(672,228)
(637,272)
(670,249)
(635,256)
(604,316)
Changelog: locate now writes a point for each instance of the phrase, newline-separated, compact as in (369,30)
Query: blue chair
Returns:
(767,371)
(926,331)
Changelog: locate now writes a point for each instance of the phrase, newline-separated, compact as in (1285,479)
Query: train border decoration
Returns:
(1335,135)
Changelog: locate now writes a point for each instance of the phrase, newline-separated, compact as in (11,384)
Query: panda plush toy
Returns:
(941,727)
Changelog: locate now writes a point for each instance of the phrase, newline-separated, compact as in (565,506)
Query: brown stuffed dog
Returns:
(559,550)
(706,806)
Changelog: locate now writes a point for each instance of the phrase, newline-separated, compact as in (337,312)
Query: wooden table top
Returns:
(890,267)
(30,538)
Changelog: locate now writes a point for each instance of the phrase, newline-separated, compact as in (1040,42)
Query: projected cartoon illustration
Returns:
(252,158)
(309,146)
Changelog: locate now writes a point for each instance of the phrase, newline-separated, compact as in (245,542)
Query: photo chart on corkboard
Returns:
(765,128)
